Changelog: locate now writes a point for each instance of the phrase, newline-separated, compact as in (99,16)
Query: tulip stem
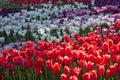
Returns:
(13,76)
(108,79)
(100,77)
(53,77)
(45,72)
(117,78)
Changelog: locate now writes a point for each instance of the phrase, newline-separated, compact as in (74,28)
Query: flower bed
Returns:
(85,58)
(60,41)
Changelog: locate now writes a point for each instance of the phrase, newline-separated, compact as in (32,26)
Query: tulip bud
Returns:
(101,69)
(93,75)
(63,77)
(108,74)
(73,78)
(76,71)
(56,68)
(66,70)
(86,76)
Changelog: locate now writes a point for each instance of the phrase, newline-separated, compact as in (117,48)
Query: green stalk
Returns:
(45,72)
(53,77)
(100,77)
(28,76)
(13,76)
(117,78)
(32,72)
(108,79)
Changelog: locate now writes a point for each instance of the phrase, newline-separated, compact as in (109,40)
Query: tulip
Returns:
(89,66)
(101,69)
(118,24)
(28,64)
(67,61)
(114,69)
(10,67)
(38,71)
(93,75)
(76,71)
(18,60)
(56,68)
(86,76)
(63,77)
(66,70)
(108,74)
(49,64)
(29,44)
(64,1)
(73,78)
(60,59)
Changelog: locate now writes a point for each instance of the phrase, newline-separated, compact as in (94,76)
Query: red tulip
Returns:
(105,47)
(82,63)
(10,58)
(10,67)
(64,1)
(63,77)
(115,58)
(118,24)
(79,1)
(54,1)
(4,53)
(41,46)
(71,1)
(57,43)
(108,74)
(5,64)
(38,71)
(93,75)
(66,70)
(88,1)
(28,64)
(101,69)
(73,78)
(18,60)
(60,59)
(29,51)
(106,60)
(98,59)
(81,40)
(117,39)
(114,50)
(67,61)
(76,36)
(89,66)
(76,71)
(67,38)
(82,55)
(56,68)
(29,44)
(86,76)
(49,64)
(114,69)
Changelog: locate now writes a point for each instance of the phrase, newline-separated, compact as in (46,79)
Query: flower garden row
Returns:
(50,23)
(65,42)
(77,58)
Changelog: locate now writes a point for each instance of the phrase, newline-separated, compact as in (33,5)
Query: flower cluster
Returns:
(50,23)
(106,2)
(85,58)
(28,2)
(60,40)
